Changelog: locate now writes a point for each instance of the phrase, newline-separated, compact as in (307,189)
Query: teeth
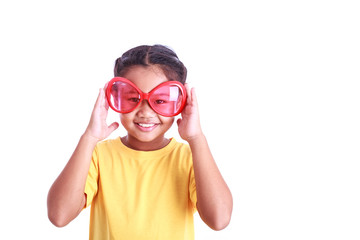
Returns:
(146,125)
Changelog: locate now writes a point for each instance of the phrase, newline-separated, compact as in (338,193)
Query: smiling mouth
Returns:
(146,125)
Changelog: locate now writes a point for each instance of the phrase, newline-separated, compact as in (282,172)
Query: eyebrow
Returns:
(173,94)
(131,92)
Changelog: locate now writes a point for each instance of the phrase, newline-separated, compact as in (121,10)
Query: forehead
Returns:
(146,77)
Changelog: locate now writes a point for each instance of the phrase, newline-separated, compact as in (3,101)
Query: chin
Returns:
(150,138)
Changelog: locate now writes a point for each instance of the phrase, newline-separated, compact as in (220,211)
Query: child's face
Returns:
(143,123)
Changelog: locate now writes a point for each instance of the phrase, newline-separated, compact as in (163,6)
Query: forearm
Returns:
(66,196)
(214,200)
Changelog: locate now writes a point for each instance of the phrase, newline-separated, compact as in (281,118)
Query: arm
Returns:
(66,196)
(214,200)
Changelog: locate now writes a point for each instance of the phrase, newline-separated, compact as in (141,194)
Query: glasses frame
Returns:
(146,96)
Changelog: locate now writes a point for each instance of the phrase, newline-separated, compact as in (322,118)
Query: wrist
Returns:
(89,138)
(196,138)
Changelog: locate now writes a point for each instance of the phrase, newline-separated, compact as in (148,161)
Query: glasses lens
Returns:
(124,97)
(167,100)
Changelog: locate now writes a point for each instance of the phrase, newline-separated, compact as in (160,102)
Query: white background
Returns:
(278,88)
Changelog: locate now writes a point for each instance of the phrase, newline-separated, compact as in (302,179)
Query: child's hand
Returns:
(98,128)
(189,124)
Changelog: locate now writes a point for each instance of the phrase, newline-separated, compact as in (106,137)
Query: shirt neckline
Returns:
(147,154)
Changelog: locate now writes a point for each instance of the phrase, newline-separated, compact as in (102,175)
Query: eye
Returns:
(134,99)
(160,101)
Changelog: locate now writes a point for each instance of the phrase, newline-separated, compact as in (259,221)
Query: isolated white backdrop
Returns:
(278,88)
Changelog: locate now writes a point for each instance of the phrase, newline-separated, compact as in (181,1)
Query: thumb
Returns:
(178,121)
(112,127)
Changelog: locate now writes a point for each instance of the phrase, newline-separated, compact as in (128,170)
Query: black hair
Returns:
(146,55)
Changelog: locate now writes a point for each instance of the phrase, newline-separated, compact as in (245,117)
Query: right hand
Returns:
(98,128)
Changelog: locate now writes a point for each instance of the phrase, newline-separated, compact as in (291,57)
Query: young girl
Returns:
(143,185)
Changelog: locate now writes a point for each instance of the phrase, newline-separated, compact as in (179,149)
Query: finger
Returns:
(112,127)
(188,93)
(105,87)
(105,96)
(193,97)
(99,98)
(178,121)
(103,100)
(106,103)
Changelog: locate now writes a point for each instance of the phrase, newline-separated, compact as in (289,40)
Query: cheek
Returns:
(167,120)
(126,119)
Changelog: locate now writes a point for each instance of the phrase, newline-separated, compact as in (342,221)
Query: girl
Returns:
(143,185)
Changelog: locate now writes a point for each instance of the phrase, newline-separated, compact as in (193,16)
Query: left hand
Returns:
(189,124)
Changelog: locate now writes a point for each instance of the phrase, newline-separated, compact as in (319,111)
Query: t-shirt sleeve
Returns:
(91,186)
(192,189)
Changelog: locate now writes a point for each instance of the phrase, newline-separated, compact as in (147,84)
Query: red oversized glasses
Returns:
(167,99)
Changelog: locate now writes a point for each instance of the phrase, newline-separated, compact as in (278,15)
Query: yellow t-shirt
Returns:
(141,195)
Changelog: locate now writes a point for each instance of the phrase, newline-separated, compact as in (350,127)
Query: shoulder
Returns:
(108,143)
(106,146)
(181,151)
(180,146)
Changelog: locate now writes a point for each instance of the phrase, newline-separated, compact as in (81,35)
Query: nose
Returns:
(144,110)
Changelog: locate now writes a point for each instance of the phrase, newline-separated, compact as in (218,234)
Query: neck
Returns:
(135,144)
